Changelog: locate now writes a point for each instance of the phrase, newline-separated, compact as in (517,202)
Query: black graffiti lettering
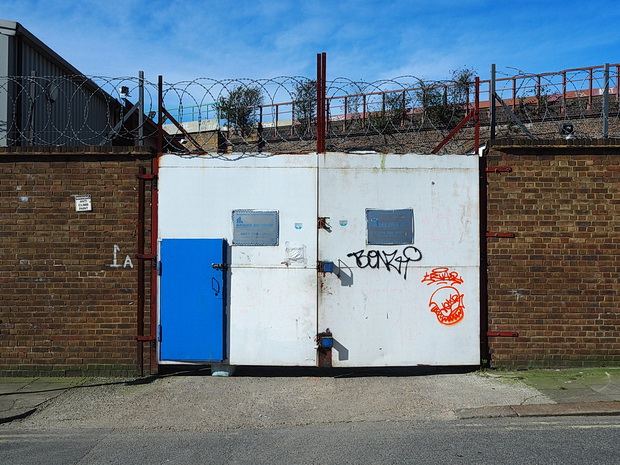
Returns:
(358,258)
(388,258)
(374,258)
(416,254)
(397,261)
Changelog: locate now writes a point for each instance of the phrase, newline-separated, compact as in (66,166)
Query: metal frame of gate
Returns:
(285,330)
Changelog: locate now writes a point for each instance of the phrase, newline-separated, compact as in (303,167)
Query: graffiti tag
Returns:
(447,301)
(396,261)
(442,276)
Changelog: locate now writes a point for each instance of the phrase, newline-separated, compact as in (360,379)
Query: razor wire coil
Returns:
(404,114)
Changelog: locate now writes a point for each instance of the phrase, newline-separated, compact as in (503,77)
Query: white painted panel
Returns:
(272,289)
(379,310)
(273,316)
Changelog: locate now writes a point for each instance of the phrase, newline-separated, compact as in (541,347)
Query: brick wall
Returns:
(64,309)
(556,282)
(68,279)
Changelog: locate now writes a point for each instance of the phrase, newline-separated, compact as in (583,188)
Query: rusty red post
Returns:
(591,89)
(318,102)
(321,59)
(477,115)
(154,224)
(324,95)
(563,110)
(141,290)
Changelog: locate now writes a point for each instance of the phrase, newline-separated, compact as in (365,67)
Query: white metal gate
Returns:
(401,230)
(400,300)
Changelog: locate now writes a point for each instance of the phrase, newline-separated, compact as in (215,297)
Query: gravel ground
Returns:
(205,403)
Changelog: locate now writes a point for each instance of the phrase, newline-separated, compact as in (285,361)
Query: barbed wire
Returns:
(544,102)
(401,113)
(404,114)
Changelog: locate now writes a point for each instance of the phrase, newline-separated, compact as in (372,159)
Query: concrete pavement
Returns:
(575,391)
(20,397)
(586,391)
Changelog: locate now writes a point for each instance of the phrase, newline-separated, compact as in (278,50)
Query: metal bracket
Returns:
(325,343)
(147,177)
(115,129)
(180,127)
(502,334)
(499,169)
(454,131)
(219,266)
(322,223)
(514,117)
(499,234)
(325,266)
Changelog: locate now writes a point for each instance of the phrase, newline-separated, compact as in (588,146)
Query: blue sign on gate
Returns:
(255,227)
(389,227)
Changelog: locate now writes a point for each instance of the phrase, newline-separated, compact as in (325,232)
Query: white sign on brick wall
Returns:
(83,203)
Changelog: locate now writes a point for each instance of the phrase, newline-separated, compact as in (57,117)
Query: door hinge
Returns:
(159,268)
(158,333)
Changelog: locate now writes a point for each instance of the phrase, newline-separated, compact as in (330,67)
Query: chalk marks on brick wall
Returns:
(115,264)
(391,261)
(446,301)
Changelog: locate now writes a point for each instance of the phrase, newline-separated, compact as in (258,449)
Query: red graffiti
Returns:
(442,275)
(446,302)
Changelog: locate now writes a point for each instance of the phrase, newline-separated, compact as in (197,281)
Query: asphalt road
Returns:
(573,440)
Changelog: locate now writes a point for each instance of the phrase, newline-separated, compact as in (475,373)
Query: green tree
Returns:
(463,82)
(433,98)
(446,104)
(304,103)
(393,110)
(239,107)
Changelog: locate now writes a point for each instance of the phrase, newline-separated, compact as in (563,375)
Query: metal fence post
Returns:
(606,102)
(160,114)
(320,95)
(32,98)
(492,104)
(141,108)
(477,116)
(591,93)
(563,109)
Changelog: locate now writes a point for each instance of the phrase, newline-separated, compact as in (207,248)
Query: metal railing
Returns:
(399,115)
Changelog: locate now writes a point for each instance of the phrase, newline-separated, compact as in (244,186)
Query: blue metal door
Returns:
(192,300)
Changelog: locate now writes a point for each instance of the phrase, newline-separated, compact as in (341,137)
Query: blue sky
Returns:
(364,39)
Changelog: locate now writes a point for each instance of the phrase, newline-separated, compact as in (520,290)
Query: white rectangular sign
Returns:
(83,203)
